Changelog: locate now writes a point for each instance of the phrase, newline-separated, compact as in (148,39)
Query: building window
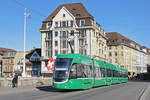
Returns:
(72,42)
(81,51)
(72,33)
(110,60)
(67,23)
(64,34)
(82,22)
(56,52)
(82,33)
(116,60)
(56,43)
(115,53)
(64,43)
(48,24)
(60,24)
(122,53)
(64,51)
(110,48)
(49,35)
(71,23)
(110,54)
(56,33)
(81,42)
(121,46)
(56,24)
(64,15)
(78,15)
(116,47)
(64,24)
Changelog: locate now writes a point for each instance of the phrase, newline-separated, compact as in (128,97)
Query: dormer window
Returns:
(64,15)
(78,15)
(74,9)
(82,22)
(49,24)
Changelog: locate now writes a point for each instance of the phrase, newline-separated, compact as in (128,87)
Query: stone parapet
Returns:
(34,81)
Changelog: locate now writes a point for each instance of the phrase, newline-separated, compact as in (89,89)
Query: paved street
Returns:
(126,91)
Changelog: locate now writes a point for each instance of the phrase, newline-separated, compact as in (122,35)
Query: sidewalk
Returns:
(6,91)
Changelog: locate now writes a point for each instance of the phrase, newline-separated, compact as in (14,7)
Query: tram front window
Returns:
(63,62)
(61,69)
(60,75)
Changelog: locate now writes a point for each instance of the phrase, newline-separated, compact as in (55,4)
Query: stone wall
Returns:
(34,81)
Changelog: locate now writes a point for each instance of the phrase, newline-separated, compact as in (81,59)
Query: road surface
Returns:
(126,91)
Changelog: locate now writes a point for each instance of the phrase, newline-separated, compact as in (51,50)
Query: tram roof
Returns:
(72,56)
(77,58)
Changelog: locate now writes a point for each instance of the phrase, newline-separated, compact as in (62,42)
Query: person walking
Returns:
(15,81)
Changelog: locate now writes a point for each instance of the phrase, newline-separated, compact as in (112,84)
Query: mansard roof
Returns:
(76,9)
(115,38)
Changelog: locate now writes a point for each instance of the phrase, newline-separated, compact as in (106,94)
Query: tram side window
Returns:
(73,72)
(80,71)
(120,74)
(89,71)
(102,72)
(96,72)
(123,74)
(115,73)
(99,72)
(126,75)
(108,73)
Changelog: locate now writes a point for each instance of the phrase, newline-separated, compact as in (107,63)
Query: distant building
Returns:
(19,59)
(1,64)
(7,61)
(71,20)
(126,53)
(33,65)
(144,59)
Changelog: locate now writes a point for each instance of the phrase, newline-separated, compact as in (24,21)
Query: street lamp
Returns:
(24,65)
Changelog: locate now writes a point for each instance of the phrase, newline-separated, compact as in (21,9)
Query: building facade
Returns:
(122,52)
(126,53)
(8,63)
(1,65)
(33,63)
(71,22)
(144,59)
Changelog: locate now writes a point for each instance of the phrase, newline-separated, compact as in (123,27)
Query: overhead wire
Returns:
(24,6)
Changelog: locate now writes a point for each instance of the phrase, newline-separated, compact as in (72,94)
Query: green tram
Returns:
(76,71)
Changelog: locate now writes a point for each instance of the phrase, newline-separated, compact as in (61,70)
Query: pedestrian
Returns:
(15,81)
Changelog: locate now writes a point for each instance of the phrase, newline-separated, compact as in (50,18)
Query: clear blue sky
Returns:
(128,17)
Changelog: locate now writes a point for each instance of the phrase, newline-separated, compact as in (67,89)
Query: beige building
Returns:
(122,52)
(126,53)
(71,22)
